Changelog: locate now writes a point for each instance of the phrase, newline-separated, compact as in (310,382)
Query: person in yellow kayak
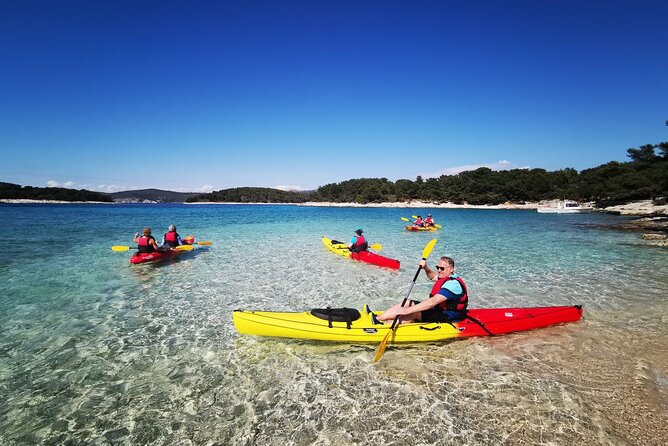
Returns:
(146,243)
(418,223)
(171,239)
(358,243)
(447,300)
(429,222)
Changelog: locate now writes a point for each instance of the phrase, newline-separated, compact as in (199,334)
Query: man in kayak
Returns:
(418,223)
(428,222)
(146,243)
(447,301)
(358,243)
(171,239)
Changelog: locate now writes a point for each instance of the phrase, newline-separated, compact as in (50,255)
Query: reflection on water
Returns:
(94,350)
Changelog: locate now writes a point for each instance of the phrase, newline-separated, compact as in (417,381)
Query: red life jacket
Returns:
(172,238)
(452,304)
(360,244)
(144,245)
(418,222)
(429,221)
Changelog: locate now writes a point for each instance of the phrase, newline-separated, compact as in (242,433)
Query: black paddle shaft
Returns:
(396,319)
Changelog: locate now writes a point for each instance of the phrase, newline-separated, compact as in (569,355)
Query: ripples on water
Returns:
(95,351)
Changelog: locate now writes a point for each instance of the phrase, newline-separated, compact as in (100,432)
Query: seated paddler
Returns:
(358,243)
(447,301)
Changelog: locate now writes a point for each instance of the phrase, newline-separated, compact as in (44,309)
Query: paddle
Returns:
(383,344)
(126,248)
(204,243)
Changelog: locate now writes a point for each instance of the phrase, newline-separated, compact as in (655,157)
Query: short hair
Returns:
(449,261)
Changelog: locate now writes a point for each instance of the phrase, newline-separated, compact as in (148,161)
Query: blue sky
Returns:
(198,95)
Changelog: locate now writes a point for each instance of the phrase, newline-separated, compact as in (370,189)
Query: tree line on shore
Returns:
(645,176)
(17,192)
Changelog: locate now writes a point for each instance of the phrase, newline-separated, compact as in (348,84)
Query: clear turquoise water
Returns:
(94,350)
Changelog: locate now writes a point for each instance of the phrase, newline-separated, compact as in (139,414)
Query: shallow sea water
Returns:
(94,350)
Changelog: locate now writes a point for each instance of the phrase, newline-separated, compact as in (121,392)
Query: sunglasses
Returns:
(440,268)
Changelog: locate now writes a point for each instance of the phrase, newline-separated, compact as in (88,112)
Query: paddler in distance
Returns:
(146,243)
(429,222)
(418,223)
(358,243)
(447,300)
(171,239)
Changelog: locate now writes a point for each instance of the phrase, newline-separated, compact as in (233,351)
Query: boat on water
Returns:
(159,256)
(565,207)
(353,326)
(365,256)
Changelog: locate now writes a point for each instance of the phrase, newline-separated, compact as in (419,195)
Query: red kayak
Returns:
(158,256)
(364,256)
(375,259)
(495,321)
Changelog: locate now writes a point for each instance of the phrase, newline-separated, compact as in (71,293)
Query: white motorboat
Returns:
(565,207)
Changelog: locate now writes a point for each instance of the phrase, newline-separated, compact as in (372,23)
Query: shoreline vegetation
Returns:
(638,187)
(636,208)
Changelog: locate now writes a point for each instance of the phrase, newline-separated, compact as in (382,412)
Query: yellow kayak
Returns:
(420,228)
(353,326)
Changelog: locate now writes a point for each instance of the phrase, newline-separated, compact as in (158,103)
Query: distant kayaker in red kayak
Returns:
(358,243)
(146,243)
(428,222)
(418,223)
(171,239)
(447,301)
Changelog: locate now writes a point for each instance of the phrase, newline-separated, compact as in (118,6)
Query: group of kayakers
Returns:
(146,242)
(424,223)
(447,301)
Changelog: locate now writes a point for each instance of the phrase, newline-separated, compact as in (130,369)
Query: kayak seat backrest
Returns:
(336,315)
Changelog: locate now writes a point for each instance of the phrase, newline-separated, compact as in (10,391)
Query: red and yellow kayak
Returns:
(158,256)
(419,228)
(365,256)
(350,325)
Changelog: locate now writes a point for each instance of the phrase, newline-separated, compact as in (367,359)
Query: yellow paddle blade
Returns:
(204,243)
(438,226)
(120,248)
(414,216)
(427,249)
(184,248)
(376,246)
(380,351)
(405,219)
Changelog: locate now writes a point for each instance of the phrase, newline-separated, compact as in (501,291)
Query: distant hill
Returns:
(151,196)
(252,195)
(11,191)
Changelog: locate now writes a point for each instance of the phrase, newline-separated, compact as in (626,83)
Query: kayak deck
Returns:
(365,256)
(358,327)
